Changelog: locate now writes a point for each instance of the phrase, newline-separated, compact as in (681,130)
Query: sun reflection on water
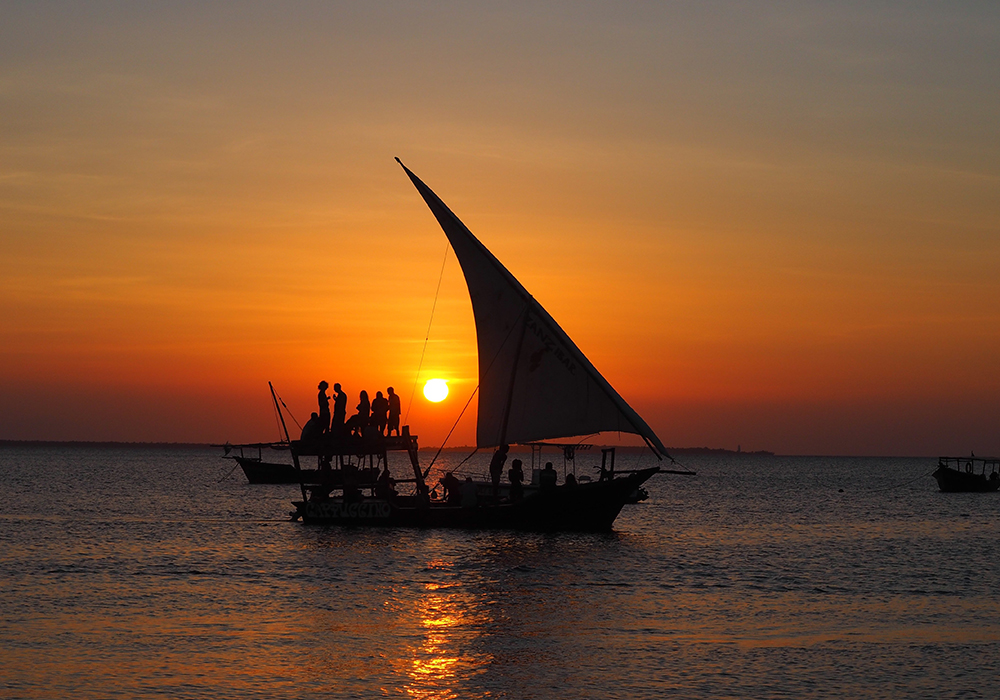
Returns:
(448,625)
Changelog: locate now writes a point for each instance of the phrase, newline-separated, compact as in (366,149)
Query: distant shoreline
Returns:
(460,448)
(99,443)
(622,449)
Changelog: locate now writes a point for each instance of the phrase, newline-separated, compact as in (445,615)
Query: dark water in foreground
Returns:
(133,572)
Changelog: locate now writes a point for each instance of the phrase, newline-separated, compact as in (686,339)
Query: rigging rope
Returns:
(287,408)
(488,368)
(896,486)
(420,365)
(228,474)
(455,425)
(466,459)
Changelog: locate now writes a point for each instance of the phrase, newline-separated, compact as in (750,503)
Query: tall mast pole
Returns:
(295,457)
(274,397)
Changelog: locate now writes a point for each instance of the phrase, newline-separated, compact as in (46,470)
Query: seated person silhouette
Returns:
(548,477)
(359,421)
(470,497)
(384,485)
(516,477)
(452,489)
(570,480)
(313,429)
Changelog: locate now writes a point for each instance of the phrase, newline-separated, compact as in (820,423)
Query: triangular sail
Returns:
(534,382)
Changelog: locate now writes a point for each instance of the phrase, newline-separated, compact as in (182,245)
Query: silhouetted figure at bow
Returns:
(380,413)
(313,429)
(496,468)
(394,411)
(324,406)
(570,480)
(339,411)
(359,420)
(516,477)
(548,477)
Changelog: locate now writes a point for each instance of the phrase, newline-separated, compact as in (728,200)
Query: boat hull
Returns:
(590,507)
(258,472)
(955,481)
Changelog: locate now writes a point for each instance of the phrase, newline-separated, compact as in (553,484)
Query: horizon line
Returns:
(678,450)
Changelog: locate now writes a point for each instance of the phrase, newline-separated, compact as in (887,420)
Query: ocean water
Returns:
(132,572)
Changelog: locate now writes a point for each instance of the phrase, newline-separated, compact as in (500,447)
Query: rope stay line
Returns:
(288,409)
(488,368)
(896,486)
(455,425)
(420,365)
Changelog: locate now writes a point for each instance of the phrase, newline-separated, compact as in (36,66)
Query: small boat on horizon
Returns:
(968,474)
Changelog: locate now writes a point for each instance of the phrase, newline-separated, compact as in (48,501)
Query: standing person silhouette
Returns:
(547,478)
(496,468)
(380,410)
(324,406)
(339,411)
(394,411)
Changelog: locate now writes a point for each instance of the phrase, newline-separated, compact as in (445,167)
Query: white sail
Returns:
(534,382)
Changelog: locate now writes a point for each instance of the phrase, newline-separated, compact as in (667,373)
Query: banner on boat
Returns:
(338,510)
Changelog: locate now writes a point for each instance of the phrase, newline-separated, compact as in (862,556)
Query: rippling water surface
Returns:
(135,572)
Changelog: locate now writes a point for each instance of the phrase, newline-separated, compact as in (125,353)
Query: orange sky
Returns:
(778,227)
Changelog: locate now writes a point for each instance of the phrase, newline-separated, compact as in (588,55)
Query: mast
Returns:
(274,397)
(295,457)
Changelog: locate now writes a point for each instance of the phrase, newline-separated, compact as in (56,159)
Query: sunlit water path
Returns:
(135,572)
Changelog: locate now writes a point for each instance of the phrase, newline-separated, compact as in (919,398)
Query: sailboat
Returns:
(535,384)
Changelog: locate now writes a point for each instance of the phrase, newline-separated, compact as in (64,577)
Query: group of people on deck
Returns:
(379,416)
(465,494)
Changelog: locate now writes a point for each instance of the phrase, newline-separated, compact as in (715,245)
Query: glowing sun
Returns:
(436,390)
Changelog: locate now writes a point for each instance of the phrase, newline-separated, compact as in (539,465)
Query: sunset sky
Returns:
(774,225)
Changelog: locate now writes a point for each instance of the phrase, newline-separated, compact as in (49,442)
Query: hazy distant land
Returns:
(460,448)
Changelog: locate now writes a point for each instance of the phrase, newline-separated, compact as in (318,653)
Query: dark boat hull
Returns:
(590,507)
(955,481)
(258,472)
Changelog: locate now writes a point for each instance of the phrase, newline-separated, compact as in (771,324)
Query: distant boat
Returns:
(534,384)
(257,471)
(968,474)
